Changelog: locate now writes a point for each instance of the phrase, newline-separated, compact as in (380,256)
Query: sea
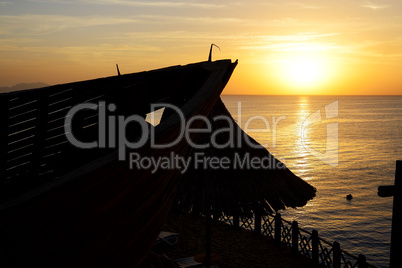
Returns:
(341,145)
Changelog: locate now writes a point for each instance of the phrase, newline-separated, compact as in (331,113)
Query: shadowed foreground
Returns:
(238,247)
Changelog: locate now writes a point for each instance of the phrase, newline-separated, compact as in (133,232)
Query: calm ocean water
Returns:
(341,145)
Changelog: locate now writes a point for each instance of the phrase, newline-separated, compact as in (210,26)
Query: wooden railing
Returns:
(321,252)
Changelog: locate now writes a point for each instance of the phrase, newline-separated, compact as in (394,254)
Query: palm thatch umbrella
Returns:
(238,190)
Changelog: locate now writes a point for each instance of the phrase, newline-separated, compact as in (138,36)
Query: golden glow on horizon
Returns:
(309,48)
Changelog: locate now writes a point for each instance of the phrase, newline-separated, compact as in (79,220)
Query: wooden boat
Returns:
(63,206)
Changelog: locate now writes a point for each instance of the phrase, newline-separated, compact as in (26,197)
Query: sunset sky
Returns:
(284,47)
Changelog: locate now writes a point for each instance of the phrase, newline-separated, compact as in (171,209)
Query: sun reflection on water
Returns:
(302,137)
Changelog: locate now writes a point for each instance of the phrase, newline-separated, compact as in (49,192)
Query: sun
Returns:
(303,71)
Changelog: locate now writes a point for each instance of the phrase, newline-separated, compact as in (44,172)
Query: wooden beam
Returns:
(386,190)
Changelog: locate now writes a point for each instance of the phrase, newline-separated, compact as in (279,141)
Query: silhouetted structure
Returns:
(63,205)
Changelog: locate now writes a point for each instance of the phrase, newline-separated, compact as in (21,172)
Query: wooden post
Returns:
(336,250)
(278,223)
(295,237)
(208,240)
(314,246)
(236,220)
(216,216)
(361,261)
(396,232)
(257,223)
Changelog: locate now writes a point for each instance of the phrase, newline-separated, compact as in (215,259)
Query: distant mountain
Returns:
(22,86)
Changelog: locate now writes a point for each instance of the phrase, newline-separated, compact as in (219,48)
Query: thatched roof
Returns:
(100,211)
(239,190)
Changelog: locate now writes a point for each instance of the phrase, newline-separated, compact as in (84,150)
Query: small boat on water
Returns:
(66,206)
